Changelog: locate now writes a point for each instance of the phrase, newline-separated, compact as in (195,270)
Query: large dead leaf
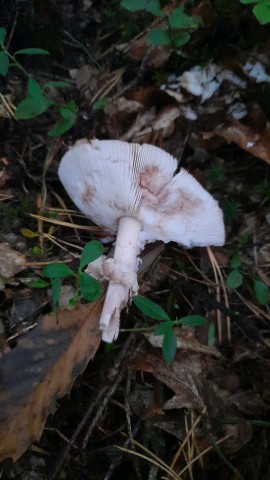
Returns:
(257,144)
(41,369)
(184,376)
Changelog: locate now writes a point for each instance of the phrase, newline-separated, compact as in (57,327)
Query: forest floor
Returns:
(72,407)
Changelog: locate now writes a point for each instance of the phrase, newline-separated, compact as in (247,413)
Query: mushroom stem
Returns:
(121,271)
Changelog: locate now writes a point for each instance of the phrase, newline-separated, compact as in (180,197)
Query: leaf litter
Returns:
(30,380)
(214,398)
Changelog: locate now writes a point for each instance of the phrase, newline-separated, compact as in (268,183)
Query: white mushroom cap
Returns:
(131,189)
(110,179)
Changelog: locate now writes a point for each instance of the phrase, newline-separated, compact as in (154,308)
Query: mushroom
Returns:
(133,191)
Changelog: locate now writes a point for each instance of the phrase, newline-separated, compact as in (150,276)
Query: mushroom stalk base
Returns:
(122,273)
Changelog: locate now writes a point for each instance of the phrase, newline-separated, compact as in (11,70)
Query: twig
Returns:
(130,435)
(116,462)
(214,266)
(120,372)
(66,224)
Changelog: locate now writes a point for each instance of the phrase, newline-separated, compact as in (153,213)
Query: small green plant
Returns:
(261,10)
(231,209)
(178,26)
(87,287)
(166,327)
(215,174)
(261,292)
(235,277)
(235,280)
(37,100)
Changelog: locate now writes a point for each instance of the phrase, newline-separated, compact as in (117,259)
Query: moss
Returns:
(13,214)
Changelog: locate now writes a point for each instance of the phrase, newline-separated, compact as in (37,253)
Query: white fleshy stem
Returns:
(121,270)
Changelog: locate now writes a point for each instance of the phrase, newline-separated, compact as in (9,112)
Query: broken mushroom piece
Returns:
(132,191)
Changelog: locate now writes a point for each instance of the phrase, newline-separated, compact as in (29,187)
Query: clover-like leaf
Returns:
(159,37)
(68,113)
(34,104)
(57,270)
(90,288)
(90,253)
(234,279)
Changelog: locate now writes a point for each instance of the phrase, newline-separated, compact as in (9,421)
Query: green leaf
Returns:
(32,51)
(90,288)
(74,300)
(99,103)
(90,253)
(262,13)
(34,104)
(37,250)
(68,113)
(56,291)
(180,39)
(159,36)
(211,334)
(38,284)
(169,347)
(61,127)
(246,2)
(234,279)
(235,262)
(68,110)
(150,308)
(57,85)
(28,233)
(153,6)
(164,328)
(178,19)
(261,291)
(192,321)
(3,32)
(133,5)
(4,63)
(57,270)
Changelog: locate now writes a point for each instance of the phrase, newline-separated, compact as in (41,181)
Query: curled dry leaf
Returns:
(258,144)
(11,261)
(140,48)
(184,376)
(41,369)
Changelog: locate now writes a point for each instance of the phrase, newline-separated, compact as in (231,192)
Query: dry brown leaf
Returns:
(184,376)
(250,402)
(157,57)
(187,340)
(11,261)
(41,369)
(258,144)
(163,123)
(119,114)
